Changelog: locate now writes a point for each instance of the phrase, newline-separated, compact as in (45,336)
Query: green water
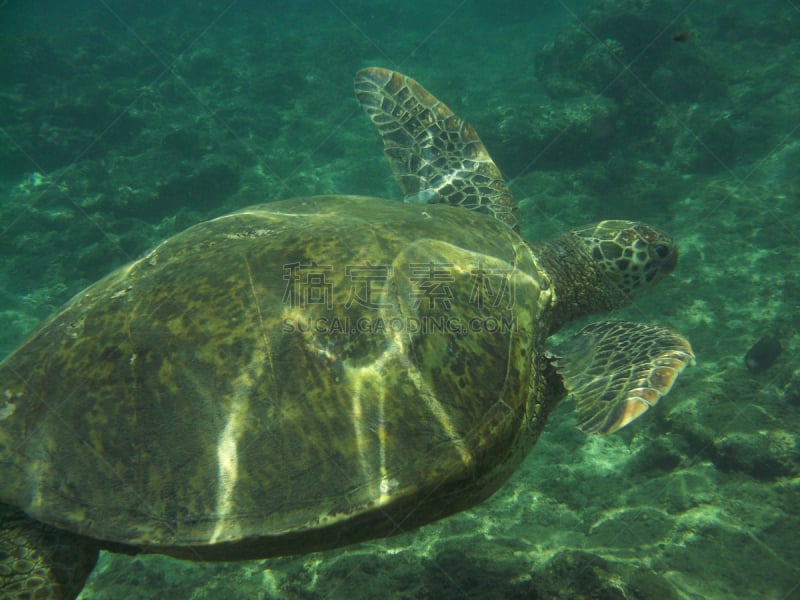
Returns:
(125,122)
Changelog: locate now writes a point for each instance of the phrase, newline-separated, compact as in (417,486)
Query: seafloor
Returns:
(124,122)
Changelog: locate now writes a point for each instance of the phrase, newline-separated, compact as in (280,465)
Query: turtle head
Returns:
(630,256)
(603,267)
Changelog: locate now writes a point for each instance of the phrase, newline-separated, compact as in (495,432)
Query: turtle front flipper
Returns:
(39,561)
(616,370)
(436,156)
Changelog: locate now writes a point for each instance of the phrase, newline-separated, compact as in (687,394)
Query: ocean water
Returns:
(125,122)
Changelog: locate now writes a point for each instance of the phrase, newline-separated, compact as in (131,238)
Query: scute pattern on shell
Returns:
(202,410)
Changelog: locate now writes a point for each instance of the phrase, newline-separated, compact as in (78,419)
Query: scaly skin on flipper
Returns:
(617,370)
(39,562)
(435,155)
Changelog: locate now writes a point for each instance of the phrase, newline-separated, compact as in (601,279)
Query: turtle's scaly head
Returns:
(633,256)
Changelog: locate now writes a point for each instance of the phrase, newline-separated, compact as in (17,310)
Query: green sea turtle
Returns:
(309,373)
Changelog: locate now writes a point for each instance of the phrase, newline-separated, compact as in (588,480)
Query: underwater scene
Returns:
(126,122)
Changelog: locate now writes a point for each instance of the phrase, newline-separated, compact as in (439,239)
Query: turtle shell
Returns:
(294,376)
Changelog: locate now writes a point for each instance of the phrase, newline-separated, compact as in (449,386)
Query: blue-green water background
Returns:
(124,122)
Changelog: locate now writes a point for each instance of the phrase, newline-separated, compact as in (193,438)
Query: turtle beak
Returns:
(670,262)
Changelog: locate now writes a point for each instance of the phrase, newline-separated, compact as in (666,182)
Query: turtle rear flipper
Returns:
(616,370)
(436,156)
(38,561)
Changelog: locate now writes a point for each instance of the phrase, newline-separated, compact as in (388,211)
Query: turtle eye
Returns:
(661,250)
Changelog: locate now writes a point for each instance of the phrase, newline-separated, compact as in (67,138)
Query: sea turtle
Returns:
(309,373)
